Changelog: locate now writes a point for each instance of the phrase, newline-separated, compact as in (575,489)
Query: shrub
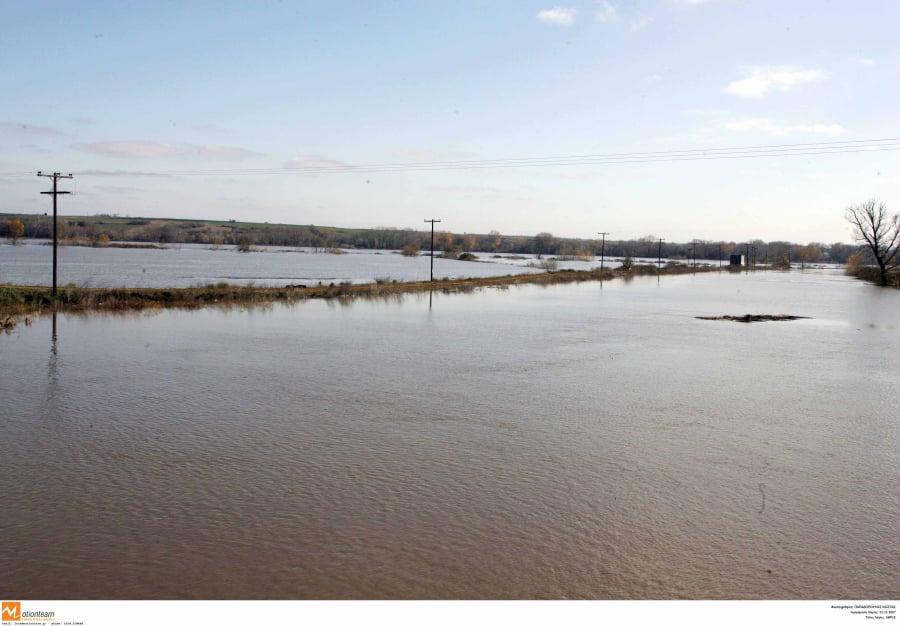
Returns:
(545,264)
(15,230)
(855,262)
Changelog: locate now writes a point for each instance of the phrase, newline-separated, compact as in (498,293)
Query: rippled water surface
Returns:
(579,441)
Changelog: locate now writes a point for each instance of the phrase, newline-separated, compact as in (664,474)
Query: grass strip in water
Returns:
(33,300)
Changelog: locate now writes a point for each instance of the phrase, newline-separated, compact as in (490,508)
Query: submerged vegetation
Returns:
(746,319)
(28,300)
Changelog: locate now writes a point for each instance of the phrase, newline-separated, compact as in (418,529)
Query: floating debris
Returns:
(755,318)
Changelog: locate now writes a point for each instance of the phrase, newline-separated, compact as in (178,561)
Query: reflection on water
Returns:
(570,441)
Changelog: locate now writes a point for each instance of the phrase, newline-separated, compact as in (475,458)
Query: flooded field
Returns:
(574,441)
(191,265)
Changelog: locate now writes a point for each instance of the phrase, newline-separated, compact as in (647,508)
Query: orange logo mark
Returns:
(11,611)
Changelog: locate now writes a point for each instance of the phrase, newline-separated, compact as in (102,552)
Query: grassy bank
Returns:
(28,300)
(872,275)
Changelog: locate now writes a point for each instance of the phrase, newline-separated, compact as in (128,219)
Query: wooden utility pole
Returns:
(55,176)
(432,247)
(659,257)
(602,248)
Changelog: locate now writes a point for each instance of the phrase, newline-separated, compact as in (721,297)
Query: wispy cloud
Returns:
(312,164)
(467,189)
(116,189)
(29,129)
(764,80)
(607,11)
(159,150)
(765,125)
(560,16)
(209,128)
(715,121)
(118,173)
(864,61)
(639,23)
(761,173)
(580,174)
(424,154)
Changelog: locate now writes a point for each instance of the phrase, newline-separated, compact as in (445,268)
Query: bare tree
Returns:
(879,231)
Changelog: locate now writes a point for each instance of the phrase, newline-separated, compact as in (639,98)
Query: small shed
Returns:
(738,259)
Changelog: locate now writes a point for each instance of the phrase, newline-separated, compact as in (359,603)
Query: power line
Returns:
(614,158)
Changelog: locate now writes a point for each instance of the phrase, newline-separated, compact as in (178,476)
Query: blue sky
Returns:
(387,113)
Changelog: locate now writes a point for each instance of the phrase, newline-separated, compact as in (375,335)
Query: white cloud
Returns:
(763,80)
(768,126)
(639,23)
(607,11)
(560,16)
(160,150)
(864,60)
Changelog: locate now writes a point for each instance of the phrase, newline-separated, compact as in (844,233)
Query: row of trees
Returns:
(877,231)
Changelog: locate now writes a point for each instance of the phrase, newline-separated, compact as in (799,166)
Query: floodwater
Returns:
(572,441)
(188,265)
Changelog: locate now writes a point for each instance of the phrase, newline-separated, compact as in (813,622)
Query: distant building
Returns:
(738,259)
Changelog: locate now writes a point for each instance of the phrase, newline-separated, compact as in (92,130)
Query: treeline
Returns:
(99,230)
